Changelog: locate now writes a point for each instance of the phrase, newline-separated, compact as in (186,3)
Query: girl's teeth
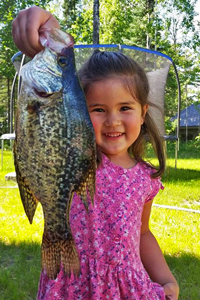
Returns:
(113,135)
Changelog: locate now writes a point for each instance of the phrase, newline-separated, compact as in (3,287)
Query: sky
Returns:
(198,6)
(197,9)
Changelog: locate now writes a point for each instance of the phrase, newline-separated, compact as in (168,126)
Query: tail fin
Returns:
(51,257)
(59,252)
(69,257)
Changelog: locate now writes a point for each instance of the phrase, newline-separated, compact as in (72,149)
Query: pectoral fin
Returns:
(87,186)
(28,199)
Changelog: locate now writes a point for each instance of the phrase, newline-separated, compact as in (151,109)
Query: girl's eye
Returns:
(124,108)
(98,110)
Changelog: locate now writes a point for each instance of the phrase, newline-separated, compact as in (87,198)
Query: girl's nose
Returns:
(113,120)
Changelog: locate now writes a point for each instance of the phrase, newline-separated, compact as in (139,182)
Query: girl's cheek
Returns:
(96,130)
(95,123)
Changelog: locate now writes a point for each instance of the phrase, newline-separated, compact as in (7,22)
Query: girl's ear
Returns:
(144,110)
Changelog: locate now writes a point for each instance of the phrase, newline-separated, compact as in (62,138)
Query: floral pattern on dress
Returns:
(108,240)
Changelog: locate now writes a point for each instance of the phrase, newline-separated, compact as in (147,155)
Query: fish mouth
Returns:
(42,94)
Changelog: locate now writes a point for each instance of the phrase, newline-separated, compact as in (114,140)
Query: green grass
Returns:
(19,242)
(176,231)
(181,185)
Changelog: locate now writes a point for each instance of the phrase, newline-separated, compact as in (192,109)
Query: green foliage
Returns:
(197,139)
(115,18)
(80,24)
(192,146)
(71,10)
(3,106)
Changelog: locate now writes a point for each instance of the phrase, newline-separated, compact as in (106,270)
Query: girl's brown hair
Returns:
(106,64)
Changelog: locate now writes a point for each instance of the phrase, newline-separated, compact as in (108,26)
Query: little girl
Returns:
(120,258)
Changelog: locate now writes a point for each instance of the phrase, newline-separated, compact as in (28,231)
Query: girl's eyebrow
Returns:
(129,102)
(96,104)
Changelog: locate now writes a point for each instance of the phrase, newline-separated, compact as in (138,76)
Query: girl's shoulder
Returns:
(153,184)
(140,169)
(146,167)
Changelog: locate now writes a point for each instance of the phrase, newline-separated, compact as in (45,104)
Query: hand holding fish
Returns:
(26,28)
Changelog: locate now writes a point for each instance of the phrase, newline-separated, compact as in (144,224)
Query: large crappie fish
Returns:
(54,149)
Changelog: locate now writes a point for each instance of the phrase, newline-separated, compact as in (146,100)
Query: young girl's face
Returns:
(116,117)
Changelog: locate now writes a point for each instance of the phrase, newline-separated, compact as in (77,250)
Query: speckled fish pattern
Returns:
(54,149)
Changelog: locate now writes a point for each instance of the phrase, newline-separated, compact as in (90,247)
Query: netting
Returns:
(155,64)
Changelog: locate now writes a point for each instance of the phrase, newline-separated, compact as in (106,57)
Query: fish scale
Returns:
(54,149)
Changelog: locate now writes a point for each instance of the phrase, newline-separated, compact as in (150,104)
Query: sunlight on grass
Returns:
(176,231)
(14,225)
(181,185)
(8,167)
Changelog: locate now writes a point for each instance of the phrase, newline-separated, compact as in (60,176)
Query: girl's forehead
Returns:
(108,83)
(110,90)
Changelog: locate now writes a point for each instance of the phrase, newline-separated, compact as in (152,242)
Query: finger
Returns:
(16,33)
(50,23)
(26,29)
(19,31)
(168,290)
(38,19)
(170,297)
(35,17)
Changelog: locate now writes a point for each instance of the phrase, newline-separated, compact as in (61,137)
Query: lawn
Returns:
(177,231)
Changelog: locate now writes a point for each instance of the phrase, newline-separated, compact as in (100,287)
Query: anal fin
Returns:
(69,257)
(51,258)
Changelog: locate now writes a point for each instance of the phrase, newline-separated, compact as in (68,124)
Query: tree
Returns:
(70,12)
(96,22)
(180,40)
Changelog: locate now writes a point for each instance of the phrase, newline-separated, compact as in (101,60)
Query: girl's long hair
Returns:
(106,64)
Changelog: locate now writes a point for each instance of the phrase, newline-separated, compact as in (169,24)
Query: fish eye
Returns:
(62,61)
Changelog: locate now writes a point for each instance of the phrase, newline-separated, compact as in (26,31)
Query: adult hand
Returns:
(171,291)
(26,27)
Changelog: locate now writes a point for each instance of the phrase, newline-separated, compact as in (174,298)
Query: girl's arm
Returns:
(153,259)
(26,26)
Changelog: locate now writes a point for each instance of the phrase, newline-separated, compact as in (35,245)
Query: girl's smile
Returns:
(116,117)
(113,134)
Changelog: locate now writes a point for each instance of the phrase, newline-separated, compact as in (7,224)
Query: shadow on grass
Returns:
(172,175)
(20,269)
(184,154)
(186,269)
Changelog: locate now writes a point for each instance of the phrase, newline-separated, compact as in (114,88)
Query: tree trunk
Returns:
(96,22)
(8,109)
(150,10)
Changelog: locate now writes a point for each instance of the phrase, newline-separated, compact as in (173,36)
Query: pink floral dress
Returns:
(108,240)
